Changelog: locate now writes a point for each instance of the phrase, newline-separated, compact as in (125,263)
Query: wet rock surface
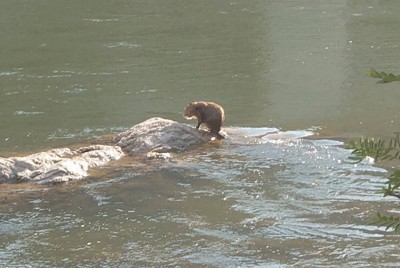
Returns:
(154,138)
(161,136)
(57,165)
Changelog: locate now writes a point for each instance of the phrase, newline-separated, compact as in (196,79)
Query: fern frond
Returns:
(365,147)
(385,77)
(387,221)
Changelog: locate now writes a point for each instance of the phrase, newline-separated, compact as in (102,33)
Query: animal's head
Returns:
(190,110)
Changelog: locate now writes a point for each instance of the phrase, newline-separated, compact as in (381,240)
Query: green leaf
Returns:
(385,77)
(373,73)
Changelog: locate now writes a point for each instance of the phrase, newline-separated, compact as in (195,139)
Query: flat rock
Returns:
(57,165)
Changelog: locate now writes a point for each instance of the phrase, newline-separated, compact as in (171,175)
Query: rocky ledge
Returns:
(153,138)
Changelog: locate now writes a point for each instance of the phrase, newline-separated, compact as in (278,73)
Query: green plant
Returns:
(385,77)
(388,221)
(380,150)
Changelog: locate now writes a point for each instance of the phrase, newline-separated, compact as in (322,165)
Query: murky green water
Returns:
(74,70)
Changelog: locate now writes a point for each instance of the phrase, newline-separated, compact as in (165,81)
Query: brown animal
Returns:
(209,113)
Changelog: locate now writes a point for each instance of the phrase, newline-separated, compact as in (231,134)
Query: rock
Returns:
(154,138)
(161,136)
(156,155)
(57,165)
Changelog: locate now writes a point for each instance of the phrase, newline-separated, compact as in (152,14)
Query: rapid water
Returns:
(71,71)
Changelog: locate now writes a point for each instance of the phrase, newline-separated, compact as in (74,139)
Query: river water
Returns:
(71,71)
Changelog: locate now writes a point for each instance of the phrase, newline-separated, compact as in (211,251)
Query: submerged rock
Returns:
(161,136)
(154,138)
(57,165)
